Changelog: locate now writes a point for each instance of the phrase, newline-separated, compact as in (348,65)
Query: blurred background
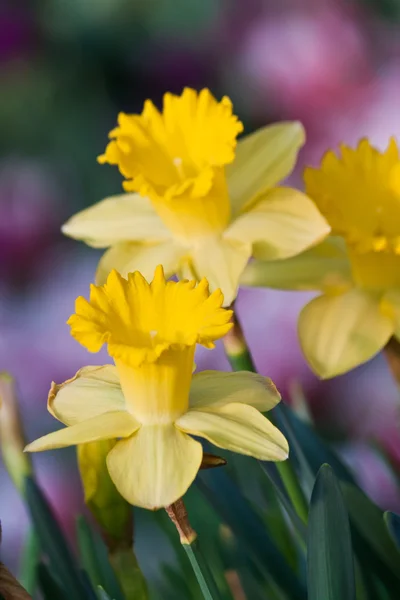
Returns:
(66,70)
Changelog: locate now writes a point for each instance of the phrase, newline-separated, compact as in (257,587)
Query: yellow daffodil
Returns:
(149,401)
(197,202)
(357,269)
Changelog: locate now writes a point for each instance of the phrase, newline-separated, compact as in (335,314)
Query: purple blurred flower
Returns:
(30,217)
(303,61)
(35,343)
(373,474)
(16,31)
(372,111)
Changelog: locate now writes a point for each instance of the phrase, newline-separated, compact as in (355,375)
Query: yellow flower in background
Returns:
(199,203)
(357,269)
(150,401)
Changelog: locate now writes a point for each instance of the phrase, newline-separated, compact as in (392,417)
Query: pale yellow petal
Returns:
(102,427)
(221,262)
(130,257)
(91,392)
(238,428)
(263,159)
(322,267)
(155,467)
(338,333)
(123,218)
(212,389)
(282,223)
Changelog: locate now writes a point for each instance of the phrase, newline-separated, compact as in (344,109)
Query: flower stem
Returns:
(236,348)
(178,514)
(240,359)
(128,573)
(392,354)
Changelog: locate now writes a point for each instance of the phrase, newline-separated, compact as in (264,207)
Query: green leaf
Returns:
(393,526)
(315,450)
(330,569)
(367,518)
(29,561)
(103,594)
(95,560)
(282,414)
(272,474)
(174,585)
(54,545)
(250,530)
(372,545)
(49,586)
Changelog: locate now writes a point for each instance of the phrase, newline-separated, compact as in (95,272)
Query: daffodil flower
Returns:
(198,203)
(149,400)
(357,269)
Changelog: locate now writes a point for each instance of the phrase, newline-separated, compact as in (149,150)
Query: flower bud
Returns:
(12,441)
(110,509)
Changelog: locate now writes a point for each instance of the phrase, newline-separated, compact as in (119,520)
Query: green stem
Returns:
(202,571)
(129,575)
(178,514)
(240,359)
(295,493)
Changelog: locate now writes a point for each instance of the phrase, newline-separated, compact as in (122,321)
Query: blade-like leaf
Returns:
(367,518)
(29,561)
(94,559)
(372,545)
(246,524)
(49,586)
(281,415)
(102,594)
(315,450)
(54,544)
(393,525)
(330,571)
(272,473)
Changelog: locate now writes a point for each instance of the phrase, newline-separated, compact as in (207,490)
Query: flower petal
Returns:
(263,159)
(123,218)
(221,262)
(102,427)
(322,267)
(212,389)
(130,257)
(338,333)
(91,392)
(155,467)
(282,223)
(238,428)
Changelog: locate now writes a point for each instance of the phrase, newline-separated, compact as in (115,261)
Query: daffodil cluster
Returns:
(356,269)
(199,205)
